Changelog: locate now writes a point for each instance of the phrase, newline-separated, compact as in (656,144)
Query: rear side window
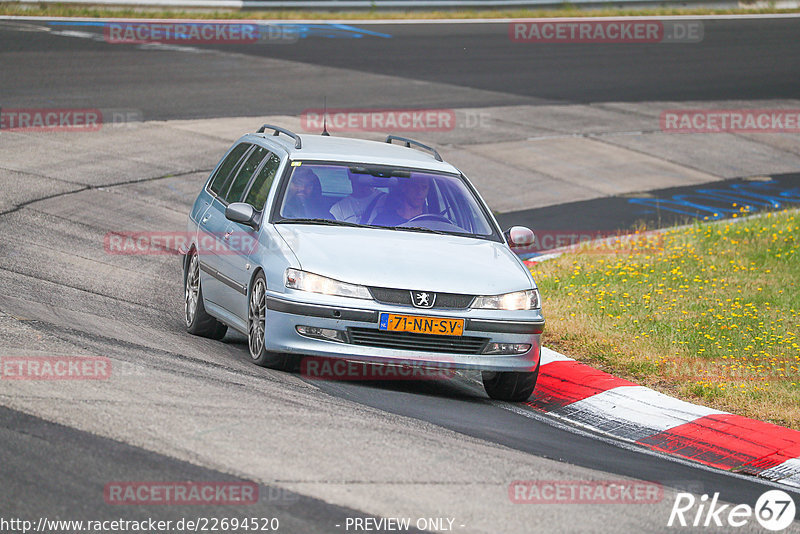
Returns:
(229,164)
(263,182)
(250,165)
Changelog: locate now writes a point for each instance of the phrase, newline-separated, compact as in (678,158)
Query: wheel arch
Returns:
(255,274)
(186,258)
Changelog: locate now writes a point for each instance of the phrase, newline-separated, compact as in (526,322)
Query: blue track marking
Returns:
(716,204)
(301,31)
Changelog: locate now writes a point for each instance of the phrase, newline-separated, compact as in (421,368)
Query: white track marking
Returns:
(628,445)
(550,356)
(786,473)
(633,412)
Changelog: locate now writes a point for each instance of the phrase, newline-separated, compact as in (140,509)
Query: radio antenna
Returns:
(325,116)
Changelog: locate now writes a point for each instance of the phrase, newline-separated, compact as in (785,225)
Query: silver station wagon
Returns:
(329,247)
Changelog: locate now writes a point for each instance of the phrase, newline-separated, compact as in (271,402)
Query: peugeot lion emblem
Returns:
(423,299)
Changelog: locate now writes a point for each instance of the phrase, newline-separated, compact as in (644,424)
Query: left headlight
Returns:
(518,300)
(314,283)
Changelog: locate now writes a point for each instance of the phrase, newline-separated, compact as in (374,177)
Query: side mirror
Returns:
(241,213)
(519,236)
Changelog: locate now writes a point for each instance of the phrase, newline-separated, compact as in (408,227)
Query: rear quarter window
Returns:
(226,168)
(263,182)
(246,171)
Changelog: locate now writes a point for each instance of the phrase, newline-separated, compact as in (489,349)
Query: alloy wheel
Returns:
(192,290)
(258,316)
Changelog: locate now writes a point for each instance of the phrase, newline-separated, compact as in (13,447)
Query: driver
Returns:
(351,208)
(409,203)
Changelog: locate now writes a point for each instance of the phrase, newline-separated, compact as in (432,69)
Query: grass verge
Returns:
(89,11)
(709,313)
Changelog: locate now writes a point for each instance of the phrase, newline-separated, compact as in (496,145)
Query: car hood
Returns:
(407,260)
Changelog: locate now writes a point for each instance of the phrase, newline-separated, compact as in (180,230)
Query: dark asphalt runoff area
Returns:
(56,472)
(736,60)
(656,209)
(462,407)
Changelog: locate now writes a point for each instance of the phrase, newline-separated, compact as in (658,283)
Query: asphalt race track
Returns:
(737,60)
(181,408)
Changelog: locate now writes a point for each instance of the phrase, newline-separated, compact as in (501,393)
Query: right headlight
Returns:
(314,283)
(518,300)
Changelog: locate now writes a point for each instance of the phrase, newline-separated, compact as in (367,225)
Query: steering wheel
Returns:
(429,217)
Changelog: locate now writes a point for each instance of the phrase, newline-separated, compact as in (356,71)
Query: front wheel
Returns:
(510,386)
(257,327)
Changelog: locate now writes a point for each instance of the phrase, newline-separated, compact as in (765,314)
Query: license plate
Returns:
(421,325)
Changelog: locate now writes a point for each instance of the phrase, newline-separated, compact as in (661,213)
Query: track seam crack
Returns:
(18,207)
(84,290)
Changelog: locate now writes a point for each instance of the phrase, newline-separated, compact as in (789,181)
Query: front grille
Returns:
(421,342)
(403,297)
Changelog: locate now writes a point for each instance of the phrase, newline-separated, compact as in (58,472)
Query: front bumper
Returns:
(285,313)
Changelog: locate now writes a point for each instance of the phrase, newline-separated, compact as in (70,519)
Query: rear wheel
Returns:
(257,327)
(510,386)
(198,321)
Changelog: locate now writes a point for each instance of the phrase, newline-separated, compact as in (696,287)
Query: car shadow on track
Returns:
(457,389)
(361,379)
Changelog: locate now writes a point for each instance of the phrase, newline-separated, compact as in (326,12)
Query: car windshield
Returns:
(370,196)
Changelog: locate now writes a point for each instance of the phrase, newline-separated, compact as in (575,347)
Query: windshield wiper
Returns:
(328,222)
(334,222)
(421,229)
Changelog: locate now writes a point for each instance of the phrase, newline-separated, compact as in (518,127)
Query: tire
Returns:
(510,386)
(196,319)
(257,326)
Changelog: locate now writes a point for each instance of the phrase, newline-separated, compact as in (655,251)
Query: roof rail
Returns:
(410,142)
(278,130)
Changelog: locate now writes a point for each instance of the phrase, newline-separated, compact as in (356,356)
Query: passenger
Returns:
(351,208)
(304,196)
(409,203)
